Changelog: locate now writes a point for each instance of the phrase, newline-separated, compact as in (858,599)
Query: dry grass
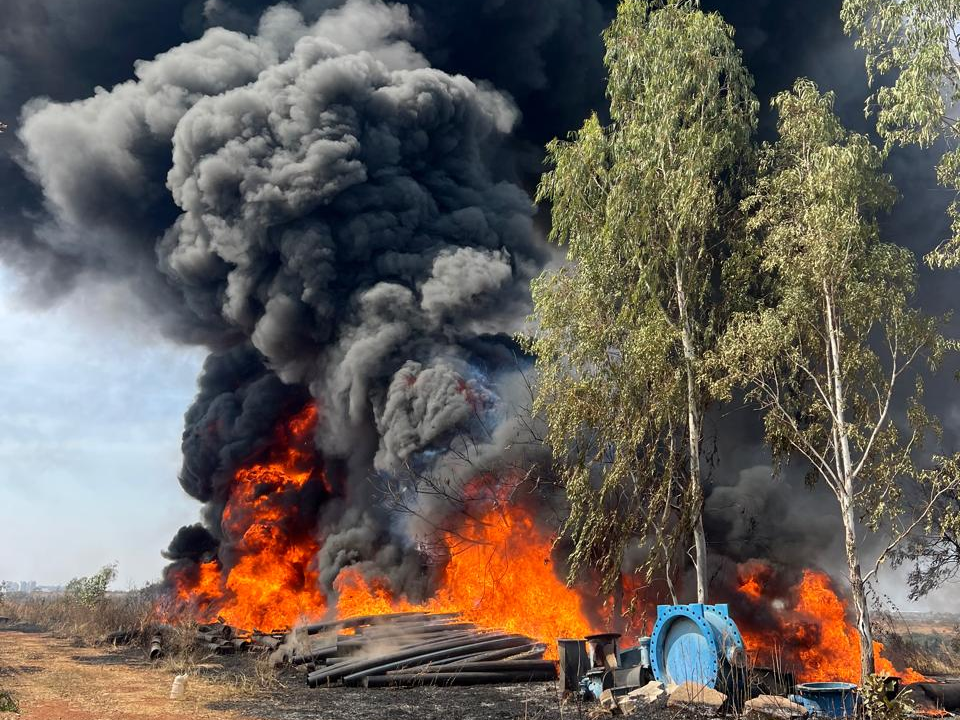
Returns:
(181,653)
(63,616)
(936,653)
(928,644)
(53,679)
(132,613)
(258,675)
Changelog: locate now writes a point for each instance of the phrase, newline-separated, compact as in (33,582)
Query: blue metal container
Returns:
(695,643)
(836,699)
(810,705)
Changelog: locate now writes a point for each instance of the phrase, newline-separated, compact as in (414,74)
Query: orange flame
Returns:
(814,636)
(498,572)
(500,575)
(272,584)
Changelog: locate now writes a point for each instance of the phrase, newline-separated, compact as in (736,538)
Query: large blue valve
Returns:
(695,643)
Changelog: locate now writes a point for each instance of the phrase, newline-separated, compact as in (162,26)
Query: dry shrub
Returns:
(183,655)
(87,623)
(930,653)
(181,652)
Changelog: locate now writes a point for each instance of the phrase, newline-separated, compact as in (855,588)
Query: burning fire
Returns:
(814,635)
(499,572)
(272,584)
(499,575)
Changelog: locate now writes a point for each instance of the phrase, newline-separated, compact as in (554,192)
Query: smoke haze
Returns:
(333,198)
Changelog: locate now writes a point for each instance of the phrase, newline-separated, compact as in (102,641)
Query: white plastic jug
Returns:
(179,688)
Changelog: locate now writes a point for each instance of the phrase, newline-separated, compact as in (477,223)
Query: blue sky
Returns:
(91,408)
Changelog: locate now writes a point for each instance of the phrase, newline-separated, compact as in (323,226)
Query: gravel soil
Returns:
(53,679)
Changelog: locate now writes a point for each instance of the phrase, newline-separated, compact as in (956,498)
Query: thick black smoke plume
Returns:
(321,192)
(333,196)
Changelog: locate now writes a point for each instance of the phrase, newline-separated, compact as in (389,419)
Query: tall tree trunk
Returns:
(846,494)
(857,588)
(694,432)
(700,550)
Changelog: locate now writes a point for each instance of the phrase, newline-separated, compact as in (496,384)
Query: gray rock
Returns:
(696,696)
(653,694)
(773,707)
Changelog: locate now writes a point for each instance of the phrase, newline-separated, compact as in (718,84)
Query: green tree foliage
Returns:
(934,551)
(877,703)
(913,58)
(835,338)
(90,591)
(644,207)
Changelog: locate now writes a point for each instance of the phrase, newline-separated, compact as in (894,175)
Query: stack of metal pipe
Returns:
(406,649)
(224,639)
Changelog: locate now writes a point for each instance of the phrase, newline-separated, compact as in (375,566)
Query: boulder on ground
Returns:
(696,696)
(773,707)
(628,706)
(617,701)
(653,694)
(609,703)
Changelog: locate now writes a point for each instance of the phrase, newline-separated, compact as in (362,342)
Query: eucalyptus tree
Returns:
(644,206)
(834,341)
(913,59)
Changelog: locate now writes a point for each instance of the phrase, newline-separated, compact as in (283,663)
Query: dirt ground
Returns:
(52,679)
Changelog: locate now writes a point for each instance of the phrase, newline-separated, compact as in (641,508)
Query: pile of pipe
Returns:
(415,648)
(223,639)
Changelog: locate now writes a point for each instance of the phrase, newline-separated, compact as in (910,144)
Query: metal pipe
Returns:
(419,646)
(217,630)
(393,629)
(267,641)
(463,678)
(530,650)
(337,671)
(315,628)
(156,647)
(314,655)
(484,666)
(373,668)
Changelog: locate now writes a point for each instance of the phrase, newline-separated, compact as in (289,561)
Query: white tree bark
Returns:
(694,432)
(846,494)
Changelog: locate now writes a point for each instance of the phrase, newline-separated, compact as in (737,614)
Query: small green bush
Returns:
(90,591)
(7,702)
(876,703)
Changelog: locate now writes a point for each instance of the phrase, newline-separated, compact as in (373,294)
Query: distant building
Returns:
(19,586)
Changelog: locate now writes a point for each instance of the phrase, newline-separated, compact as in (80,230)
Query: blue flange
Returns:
(694,643)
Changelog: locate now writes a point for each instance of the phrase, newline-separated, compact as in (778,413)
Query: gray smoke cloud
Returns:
(334,201)
(330,195)
(64,52)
